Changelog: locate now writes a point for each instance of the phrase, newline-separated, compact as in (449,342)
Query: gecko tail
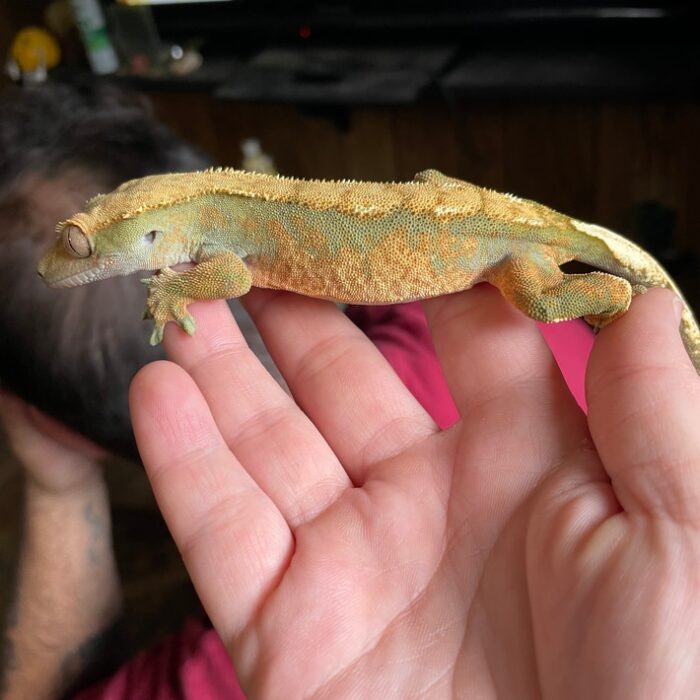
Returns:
(620,256)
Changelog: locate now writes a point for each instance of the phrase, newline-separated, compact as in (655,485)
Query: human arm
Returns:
(67,593)
(525,552)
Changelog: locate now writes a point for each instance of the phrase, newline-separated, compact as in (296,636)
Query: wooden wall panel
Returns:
(481,145)
(190,116)
(623,165)
(423,138)
(548,156)
(369,149)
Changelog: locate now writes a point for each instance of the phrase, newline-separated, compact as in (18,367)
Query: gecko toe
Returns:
(157,335)
(187,324)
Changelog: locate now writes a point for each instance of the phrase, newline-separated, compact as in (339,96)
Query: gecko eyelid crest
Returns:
(76,242)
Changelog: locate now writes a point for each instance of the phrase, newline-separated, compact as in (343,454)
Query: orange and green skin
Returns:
(354,242)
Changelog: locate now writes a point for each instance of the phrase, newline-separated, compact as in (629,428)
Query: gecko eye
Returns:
(76,242)
(150,237)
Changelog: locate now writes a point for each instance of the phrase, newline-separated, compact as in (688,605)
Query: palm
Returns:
(367,553)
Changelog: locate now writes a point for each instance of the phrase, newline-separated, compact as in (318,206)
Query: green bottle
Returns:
(93,30)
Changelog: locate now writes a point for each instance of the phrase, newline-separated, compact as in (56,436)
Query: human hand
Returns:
(525,552)
(53,457)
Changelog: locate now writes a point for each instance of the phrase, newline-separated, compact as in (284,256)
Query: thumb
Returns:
(644,410)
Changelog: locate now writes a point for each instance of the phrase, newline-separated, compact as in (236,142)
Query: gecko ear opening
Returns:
(76,242)
(150,237)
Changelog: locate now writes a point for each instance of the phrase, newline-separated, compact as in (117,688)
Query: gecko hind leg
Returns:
(539,289)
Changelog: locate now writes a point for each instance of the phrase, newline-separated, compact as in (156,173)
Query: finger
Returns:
(490,352)
(340,378)
(644,410)
(26,423)
(519,418)
(277,444)
(234,541)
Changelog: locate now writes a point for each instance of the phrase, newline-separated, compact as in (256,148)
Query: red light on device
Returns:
(304,31)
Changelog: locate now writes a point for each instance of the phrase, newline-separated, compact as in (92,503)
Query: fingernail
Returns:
(678,308)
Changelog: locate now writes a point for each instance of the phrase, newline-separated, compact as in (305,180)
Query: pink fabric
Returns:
(571,343)
(402,336)
(190,665)
(193,664)
(401,333)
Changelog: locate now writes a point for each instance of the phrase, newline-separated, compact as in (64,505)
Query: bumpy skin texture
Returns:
(355,242)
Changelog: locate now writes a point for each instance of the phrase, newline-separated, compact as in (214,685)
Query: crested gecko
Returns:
(348,241)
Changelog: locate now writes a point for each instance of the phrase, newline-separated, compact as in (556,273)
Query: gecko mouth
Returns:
(181,266)
(95,274)
(78,279)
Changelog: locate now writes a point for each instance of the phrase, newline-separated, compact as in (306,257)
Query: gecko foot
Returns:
(165,303)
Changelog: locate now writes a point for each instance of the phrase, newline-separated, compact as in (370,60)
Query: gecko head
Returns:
(85,253)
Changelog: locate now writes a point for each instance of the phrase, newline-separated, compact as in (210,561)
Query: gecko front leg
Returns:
(222,276)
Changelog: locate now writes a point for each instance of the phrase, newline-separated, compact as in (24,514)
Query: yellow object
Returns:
(34,47)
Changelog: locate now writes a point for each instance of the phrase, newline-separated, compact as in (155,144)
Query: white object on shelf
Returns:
(93,29)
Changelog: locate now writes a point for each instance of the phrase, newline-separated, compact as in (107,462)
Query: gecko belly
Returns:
(415,272)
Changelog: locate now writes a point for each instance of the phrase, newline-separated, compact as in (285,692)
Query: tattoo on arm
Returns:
(98,532)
